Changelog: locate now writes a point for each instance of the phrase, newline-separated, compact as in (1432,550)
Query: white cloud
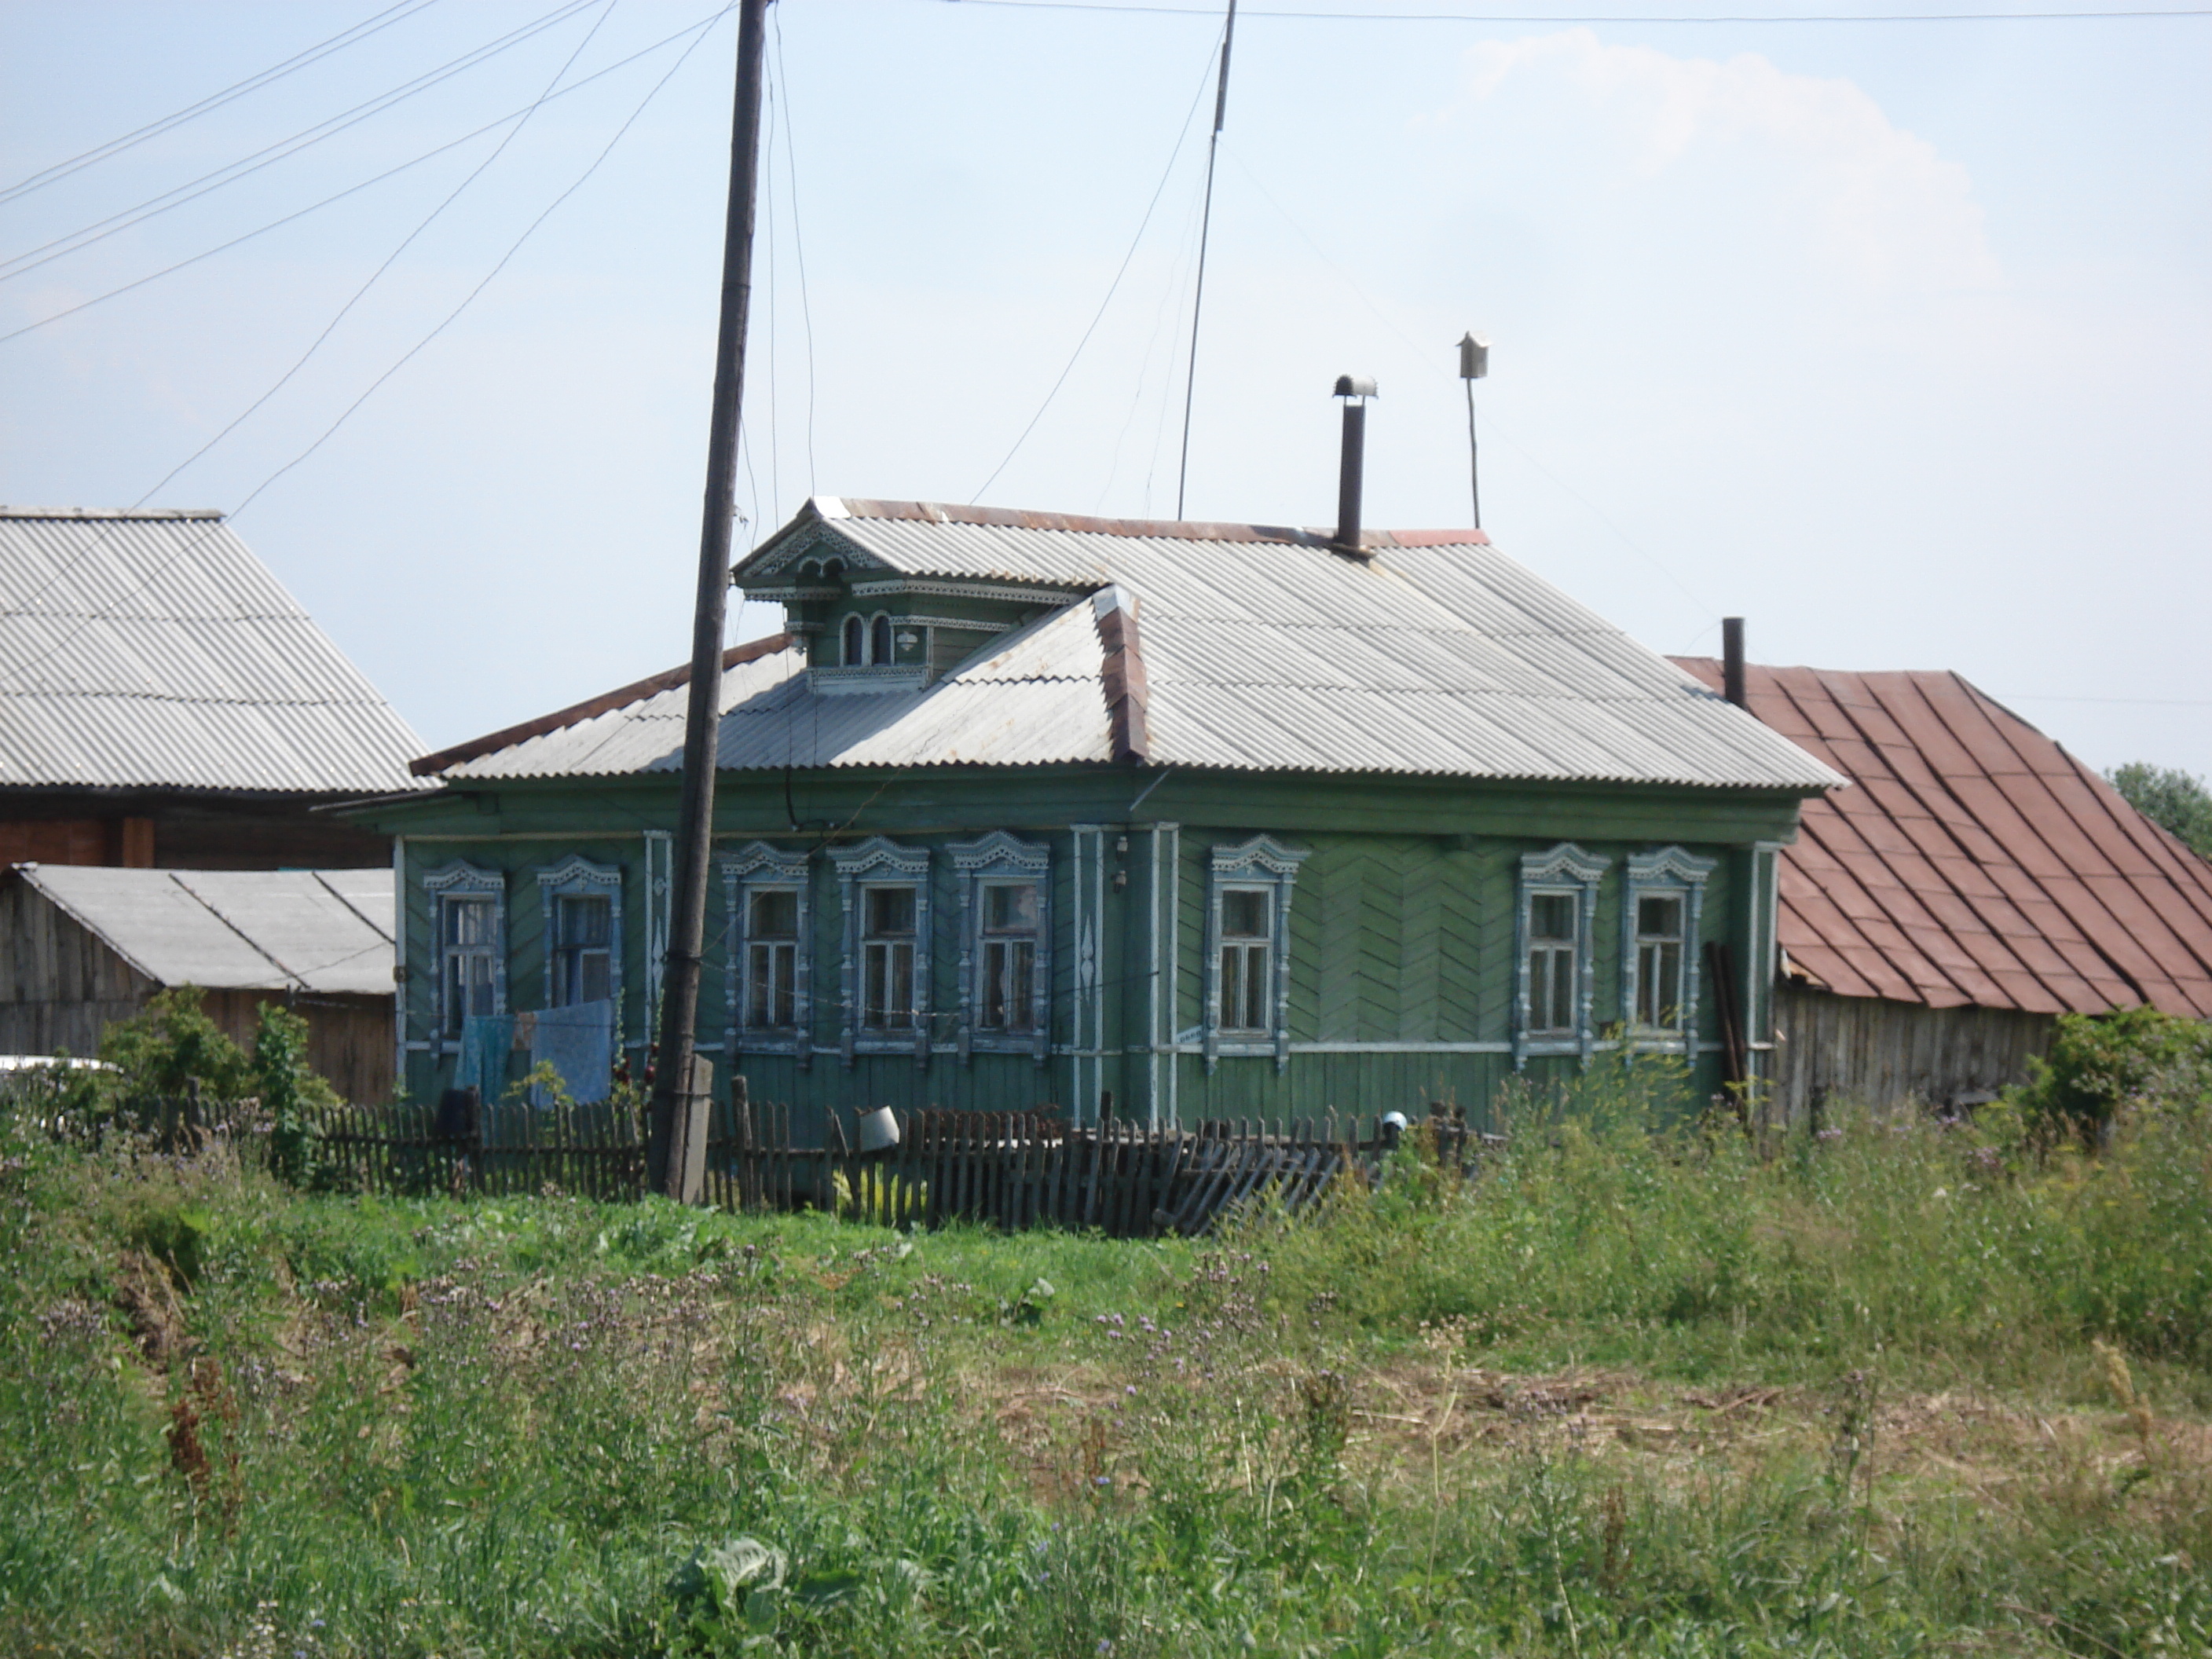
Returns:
(1814,158)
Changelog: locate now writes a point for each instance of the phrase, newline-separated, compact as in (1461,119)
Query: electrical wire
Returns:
(798,241)
(374,24)
(404,359)
(101,539)
(100,230)
(1604,17)
(355,190)
(1111,287)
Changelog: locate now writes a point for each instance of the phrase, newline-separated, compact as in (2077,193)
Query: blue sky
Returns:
(1893,337)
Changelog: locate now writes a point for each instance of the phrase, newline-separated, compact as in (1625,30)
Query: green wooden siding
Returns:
(1400,926)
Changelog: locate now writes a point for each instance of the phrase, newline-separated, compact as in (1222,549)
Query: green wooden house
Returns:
(1172,821)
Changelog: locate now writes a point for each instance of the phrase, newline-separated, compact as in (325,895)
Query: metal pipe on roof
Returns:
(1355,390)
(1732,661)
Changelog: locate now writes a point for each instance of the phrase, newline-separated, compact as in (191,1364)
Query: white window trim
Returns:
(1669,870)
(577,876)
(760,867)
(879,862)
(1000,857)
(1261,862)
(461,879)
(847,657)
(1566,870)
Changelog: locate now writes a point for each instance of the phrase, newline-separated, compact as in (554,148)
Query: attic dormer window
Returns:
(879,640)
(856,642)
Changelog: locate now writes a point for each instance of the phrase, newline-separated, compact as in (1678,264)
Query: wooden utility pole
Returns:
(680,1095)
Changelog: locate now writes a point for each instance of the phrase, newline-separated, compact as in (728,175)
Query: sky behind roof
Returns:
(1892,338)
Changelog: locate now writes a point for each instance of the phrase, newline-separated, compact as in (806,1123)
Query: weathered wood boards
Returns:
(1011,1170)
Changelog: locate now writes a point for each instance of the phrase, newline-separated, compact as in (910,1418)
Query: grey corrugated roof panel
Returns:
(154,650)
(328,932)
(1263,650)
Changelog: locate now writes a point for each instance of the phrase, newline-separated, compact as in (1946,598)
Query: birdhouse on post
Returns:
(1473,357)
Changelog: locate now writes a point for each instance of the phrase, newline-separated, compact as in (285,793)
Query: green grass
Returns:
(1627,1393)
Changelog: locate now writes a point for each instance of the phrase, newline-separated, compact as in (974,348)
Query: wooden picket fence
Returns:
(1019,1170)
(574,1150)
(1011,1171)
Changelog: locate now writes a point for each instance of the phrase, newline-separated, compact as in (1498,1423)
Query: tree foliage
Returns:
(2175,800)
(2099,1063)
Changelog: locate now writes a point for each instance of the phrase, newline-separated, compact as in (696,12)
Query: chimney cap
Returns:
(1354,385)
(1474,356)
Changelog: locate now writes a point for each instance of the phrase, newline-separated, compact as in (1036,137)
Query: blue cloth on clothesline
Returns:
(579,1042)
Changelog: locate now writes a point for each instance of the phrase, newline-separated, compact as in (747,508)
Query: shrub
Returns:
(2098,1064)
(170,1046)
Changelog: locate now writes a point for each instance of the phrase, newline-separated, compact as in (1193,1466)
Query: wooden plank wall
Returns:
(1835,1050)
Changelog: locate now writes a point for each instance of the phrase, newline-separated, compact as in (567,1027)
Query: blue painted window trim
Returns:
(1565,870)
(577,876)
(463,881)
(754,868)
(1000,857)
(1669,870)
(1262,863)
(879,862)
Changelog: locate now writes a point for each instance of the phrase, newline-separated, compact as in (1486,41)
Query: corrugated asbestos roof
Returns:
(1976,862)
(327,931)
(153,650)
(1263,648)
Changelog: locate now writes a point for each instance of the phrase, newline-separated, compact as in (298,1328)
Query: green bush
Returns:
(2099,1063)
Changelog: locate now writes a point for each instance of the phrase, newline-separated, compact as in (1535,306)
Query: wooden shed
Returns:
(1976,882)
(83,947)
(1174,821)
(164,702)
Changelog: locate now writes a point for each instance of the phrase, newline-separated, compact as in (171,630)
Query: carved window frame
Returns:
(1678,873)
(578,877)
(463,881)
(1565,870)
(760,867)
(1261,863)
(881,862)
(1000,857)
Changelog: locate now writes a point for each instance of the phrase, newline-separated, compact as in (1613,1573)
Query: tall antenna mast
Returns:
(679,1103)
(1205,227)
(1473,365)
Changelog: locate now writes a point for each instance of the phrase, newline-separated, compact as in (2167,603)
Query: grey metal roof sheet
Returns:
(327,931)
(151,650)
(1263,650)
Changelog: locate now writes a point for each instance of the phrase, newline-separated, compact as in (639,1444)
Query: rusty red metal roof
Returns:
(1976,862)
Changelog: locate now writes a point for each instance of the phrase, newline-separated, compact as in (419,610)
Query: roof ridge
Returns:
(577,713)
(831,508)
(6,512)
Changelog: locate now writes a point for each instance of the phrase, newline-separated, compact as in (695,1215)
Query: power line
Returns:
(100,230)
(355,190)
(798,241)
(330,328)
(1602,17)
(408,356)
(1111,288)
(360,32)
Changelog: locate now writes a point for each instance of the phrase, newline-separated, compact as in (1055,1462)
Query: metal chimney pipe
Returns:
(1732,661)
(1355,390)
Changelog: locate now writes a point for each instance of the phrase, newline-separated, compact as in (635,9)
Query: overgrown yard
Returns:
(1900,1389)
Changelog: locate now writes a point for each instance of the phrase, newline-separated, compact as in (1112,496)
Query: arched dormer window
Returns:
(856,636)
(879,640)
